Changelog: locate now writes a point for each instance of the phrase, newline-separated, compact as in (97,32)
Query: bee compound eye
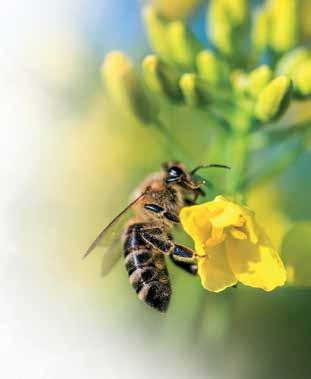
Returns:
(175,171)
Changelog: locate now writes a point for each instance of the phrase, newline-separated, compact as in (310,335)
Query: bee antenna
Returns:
(216,165)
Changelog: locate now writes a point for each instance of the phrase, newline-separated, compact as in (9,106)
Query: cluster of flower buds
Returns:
(256,66)
(229,76)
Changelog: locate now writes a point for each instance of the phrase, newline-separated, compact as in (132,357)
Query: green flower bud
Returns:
(157,32)
(290,61)
(225,18)
(161,77)
(284,24)
(126,88)
(194,89)
(211,68)
(302,79)
(273,99)
(184,47)
(258,79)
(260,30)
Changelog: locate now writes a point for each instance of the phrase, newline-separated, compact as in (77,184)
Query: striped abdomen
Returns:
(147,270)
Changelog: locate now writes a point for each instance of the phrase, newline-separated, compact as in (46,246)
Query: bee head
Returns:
(176,173)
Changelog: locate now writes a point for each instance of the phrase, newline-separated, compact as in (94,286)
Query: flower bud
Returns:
(258,79)
(211,68)
(302,79)
(184,47)
(237,9)
(219,27)
(161,78)
(252,83)
(284,24)
(126,88)
(194,90)
(225,19)
(260,30)
(290,61)
(176,9)
(273,99)
(157,32)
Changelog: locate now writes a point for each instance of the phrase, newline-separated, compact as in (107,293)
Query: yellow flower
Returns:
(232,245)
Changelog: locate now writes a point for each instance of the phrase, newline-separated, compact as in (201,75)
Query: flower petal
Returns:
(195,221)
(215,272)
(257,265)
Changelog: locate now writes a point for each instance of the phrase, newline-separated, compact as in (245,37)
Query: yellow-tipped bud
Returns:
(176,9)
(297,65)
(194,90)
(161,78)
(220,27)
(284,24)
(157,32)
(184,46)
(252,83)
(225,18)
(237,9)
(260,30)
(211,68)
(258,79)
(126,88)
(302,79)
(273,99)
(292,60)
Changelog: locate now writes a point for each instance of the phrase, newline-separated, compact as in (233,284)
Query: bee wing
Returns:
(108,240)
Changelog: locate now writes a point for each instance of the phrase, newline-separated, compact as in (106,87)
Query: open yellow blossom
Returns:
(234,246)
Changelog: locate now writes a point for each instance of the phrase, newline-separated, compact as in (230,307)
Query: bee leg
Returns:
(158,209)
(165,247)
(198,192)
(191,268)
(180,253)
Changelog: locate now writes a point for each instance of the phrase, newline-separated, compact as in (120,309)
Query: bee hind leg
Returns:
(190,267)
(180,253)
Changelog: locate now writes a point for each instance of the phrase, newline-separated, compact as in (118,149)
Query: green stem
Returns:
(238,156)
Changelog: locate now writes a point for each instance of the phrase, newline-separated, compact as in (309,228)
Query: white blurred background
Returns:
(57,319)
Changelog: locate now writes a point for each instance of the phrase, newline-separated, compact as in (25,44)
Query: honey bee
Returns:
(147,238)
